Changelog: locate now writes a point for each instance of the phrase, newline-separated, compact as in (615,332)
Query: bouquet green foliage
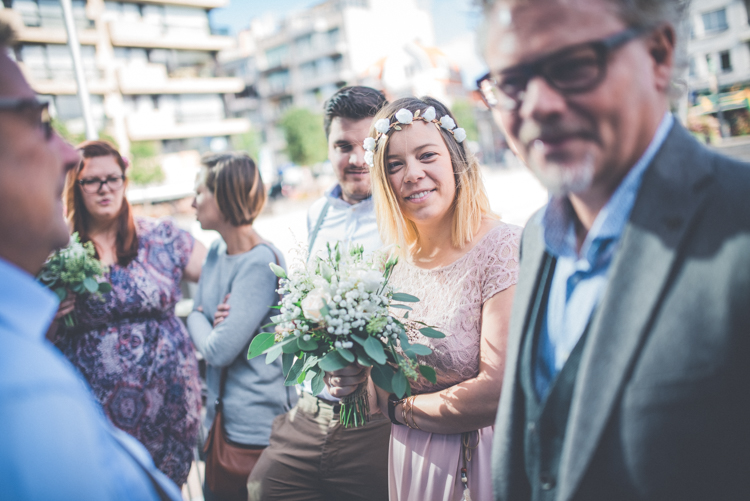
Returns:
(336,311)
(74,269)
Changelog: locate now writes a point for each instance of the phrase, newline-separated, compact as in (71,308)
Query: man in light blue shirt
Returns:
(57,443)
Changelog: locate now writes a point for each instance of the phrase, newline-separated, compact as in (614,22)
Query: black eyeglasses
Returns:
(39,111)
(93,185)
(574,69)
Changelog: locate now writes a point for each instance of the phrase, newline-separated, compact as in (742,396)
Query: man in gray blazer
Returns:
(628,359)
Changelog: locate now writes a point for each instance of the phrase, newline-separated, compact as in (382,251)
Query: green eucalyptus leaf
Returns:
(359,340)
(430,332)
(260,343)
(400,306)
(374,350)
(346,354)
(429,373)
(287,359)
(362,357)
(382,376)
(405,298)
(333,361)
(294,373)
(418,349)
(317,381)
(105,287)
(277,270)
(309,345)
(273,354)
(291,346)
(91,284)
(61,292)
(399,383)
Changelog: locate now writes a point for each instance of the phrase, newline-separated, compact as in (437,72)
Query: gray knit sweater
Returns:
(254,393)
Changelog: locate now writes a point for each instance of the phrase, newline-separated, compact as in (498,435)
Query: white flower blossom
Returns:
(447,122)
(404,116)
(313,304)
(382,125)
(429,114)
(370,158)
(459,134)
(369,144)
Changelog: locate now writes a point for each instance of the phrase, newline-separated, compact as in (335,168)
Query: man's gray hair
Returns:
(641,14)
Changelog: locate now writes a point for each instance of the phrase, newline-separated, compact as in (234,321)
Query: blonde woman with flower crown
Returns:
(462,262)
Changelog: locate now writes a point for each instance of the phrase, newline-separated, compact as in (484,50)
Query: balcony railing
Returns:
(147,78)
(154,36)
(162,125)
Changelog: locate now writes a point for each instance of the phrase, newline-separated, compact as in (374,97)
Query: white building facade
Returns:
(150,68)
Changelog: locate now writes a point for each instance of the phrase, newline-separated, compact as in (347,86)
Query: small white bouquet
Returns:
(74,269)
(336,310)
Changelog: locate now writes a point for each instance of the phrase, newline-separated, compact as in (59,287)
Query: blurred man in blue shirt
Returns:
(56,442)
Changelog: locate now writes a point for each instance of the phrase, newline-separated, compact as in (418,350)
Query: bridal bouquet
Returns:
(74,269)
(336,311)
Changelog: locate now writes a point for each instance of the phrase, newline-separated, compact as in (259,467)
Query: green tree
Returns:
(305,137)
(146,168)
(463,110)
(248,142)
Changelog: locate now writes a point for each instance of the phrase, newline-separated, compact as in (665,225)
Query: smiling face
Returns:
(576,142)
(32,177)
(420,173)
(105,204)
(347,157)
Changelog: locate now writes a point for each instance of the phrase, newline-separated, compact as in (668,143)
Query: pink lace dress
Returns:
(427,466)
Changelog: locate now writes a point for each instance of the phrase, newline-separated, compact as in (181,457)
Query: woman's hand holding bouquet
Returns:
(335,312)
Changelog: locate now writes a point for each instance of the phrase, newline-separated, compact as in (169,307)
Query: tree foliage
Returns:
(305,137)
(463,110)
(146,167)
(248,142)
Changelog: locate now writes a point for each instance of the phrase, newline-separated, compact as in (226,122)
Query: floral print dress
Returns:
(137,355)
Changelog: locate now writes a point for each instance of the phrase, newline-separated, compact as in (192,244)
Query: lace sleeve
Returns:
(500,260)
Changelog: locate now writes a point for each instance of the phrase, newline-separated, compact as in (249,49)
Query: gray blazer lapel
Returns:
(672,193)
(507,451)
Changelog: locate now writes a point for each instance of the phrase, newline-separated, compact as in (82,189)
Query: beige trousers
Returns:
(312,457)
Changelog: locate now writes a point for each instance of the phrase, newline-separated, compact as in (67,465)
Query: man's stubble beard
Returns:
(564,179)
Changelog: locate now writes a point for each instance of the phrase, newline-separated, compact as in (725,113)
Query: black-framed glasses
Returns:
(38,110)
(571,70)
(94,184)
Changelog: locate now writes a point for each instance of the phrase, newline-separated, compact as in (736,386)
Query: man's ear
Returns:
(661,47)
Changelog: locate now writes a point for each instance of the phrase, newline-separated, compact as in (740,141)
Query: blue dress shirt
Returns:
(579,279)
(57,443)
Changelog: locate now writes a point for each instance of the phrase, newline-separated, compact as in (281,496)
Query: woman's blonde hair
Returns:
(470,204)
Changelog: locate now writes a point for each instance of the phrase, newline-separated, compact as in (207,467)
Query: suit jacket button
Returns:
(547,481)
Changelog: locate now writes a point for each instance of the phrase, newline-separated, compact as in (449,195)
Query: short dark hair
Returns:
(7,35)
(356,103)
(234,181)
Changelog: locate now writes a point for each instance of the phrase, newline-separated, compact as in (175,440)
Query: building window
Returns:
(715,21)
(692,72)
(726,61)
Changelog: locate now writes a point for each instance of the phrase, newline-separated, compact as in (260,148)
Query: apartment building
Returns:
(150,68)
(719,61)
(302,59)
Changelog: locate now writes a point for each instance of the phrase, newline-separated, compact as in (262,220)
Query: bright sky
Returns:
(454,38)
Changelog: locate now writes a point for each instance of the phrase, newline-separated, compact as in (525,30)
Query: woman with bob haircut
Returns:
(233,302)
(132,349)
(462,263)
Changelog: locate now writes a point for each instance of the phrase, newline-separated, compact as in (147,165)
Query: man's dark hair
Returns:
(355,102)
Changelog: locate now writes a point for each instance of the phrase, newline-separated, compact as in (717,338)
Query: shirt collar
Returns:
(558,218)
(26,306)
(334,198)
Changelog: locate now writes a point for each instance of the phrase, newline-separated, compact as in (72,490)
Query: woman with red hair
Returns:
(132,349)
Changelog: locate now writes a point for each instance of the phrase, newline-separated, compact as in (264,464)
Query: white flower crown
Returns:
(405,117)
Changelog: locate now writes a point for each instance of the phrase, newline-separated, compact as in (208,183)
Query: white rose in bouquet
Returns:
(313,304)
